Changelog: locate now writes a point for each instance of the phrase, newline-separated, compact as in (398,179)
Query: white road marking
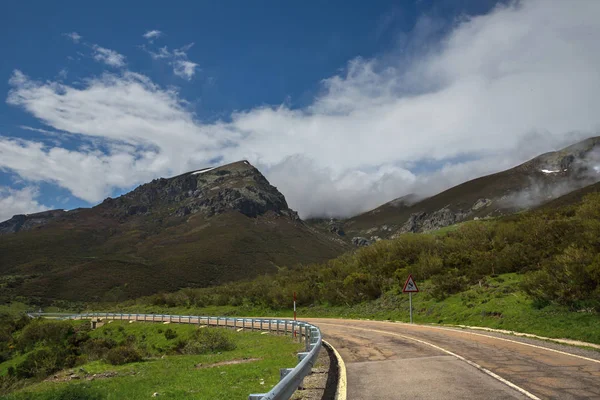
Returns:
(471,363)
(509,340)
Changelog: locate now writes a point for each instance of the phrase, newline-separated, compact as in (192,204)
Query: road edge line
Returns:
(341,391)
(471,363)
(508,340)
(569,342)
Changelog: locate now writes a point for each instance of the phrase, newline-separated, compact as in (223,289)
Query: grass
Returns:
(497,303)
(176,376)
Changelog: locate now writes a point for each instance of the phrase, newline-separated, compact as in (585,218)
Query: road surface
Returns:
(387,360)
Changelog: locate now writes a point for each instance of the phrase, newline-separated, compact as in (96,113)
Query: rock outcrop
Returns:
(233,187)
(23,222)
(423,222)
(361,241)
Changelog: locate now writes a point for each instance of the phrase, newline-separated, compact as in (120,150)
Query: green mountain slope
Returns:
(525,186)
(197,229)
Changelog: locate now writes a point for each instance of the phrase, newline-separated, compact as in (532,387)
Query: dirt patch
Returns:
(228,362)
(67,376)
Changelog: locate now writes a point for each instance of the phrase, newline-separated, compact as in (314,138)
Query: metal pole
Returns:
(294,315)
(410,304)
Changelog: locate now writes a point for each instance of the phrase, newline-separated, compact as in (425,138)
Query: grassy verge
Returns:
(496,303)
(171,376)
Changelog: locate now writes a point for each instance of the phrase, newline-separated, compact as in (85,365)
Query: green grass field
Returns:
(171,376)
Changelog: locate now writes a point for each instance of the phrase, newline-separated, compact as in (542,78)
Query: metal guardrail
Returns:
(291,378)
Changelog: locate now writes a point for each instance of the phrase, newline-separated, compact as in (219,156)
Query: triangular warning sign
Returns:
(410,286)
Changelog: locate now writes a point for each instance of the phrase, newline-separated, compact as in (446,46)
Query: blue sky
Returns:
(358,102)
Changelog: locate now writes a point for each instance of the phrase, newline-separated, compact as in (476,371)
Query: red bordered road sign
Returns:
(410,286)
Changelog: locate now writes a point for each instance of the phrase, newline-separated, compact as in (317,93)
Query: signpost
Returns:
(294,312)
(410,287)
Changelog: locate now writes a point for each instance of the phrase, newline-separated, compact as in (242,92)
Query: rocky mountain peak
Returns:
(233,187)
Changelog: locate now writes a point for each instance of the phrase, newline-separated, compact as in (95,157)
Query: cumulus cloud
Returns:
(108,56)
(497,90)
(74,36)
(153,34)
(18,201)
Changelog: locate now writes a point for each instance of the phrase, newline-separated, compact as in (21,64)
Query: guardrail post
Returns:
(307,337)
(261,325)
(285,328)
(314,334)
(270,326)
(252,322)
(235,323)
(284,371)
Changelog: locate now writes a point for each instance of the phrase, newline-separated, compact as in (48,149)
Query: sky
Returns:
(342,105)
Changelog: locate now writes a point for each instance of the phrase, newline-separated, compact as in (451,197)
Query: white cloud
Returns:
(108,56)
(163,52)
(178,58)
(499,89)
(184,69)
(74,36)
(18,201)
(153,34)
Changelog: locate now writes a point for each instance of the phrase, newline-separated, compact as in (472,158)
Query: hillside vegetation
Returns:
(42,359)
(196,229)
(552,256)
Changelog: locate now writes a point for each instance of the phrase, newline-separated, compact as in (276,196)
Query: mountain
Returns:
(197,229)
(534,182)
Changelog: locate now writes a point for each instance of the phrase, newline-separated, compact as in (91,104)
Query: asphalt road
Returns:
(387,360)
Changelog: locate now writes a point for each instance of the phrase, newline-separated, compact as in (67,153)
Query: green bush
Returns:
(206,340)
(170,334)
(123,355)
(41,363)
(444,285)
(97,348)
(44,333)
(571,278)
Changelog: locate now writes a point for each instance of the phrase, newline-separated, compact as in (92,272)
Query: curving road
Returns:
(387,360)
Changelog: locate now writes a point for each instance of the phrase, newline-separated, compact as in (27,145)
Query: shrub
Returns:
(41,363)
(571,278)
(8,382)
(448,283)
(97,348)
(205,341)
(170,334)
(123,355)
(44,332)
